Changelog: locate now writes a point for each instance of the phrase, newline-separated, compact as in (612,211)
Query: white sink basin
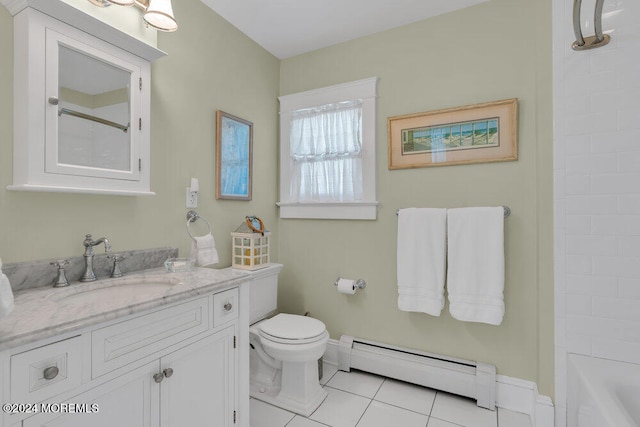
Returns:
(115,291)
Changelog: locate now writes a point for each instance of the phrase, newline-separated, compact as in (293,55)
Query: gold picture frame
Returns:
(234,157)
(477,133)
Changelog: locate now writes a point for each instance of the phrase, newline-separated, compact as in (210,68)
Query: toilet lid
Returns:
(292,327)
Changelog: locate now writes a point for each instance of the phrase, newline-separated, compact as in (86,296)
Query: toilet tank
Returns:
(263,292)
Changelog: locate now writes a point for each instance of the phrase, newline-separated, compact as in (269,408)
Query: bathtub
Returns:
(602,393)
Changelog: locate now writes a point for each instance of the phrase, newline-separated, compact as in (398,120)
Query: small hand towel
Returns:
(475,272)
(203,250)
(6,295)
(421,259)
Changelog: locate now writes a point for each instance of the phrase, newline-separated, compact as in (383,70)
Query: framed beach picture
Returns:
(471,134)
(234,157)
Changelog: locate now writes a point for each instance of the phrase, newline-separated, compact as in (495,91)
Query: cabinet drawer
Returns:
(43,372)
(123,343)
(225,307)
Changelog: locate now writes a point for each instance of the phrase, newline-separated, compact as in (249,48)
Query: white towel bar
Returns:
(507,211)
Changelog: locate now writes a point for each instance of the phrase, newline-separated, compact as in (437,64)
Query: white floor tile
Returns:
(328,371)
(265,415)
(340,409)
(394,403)
(463,411)
(434,422)
(356,382)
(507,418)
(380,414)
(407,396)
(299,421)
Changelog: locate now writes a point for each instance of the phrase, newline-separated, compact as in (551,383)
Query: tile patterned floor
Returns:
(359,399)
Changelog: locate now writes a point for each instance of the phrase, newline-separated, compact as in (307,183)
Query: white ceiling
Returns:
(291,27)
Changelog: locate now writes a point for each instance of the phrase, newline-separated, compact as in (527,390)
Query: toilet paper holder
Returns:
(360,283)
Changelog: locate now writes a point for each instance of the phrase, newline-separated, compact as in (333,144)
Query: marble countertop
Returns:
(47,311)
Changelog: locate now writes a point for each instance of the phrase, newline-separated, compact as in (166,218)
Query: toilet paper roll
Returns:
(346,286)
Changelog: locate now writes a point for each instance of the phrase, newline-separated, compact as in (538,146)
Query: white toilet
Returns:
(285,349)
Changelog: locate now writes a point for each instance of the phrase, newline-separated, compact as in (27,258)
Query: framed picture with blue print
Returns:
(234,157)
(477,133)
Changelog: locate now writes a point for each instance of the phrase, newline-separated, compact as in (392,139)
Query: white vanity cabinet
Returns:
(200,390)
(129,400)
(170,367)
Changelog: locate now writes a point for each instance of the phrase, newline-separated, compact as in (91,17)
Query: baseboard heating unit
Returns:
(476,380)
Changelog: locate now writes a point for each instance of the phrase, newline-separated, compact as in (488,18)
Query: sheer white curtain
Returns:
(326,153)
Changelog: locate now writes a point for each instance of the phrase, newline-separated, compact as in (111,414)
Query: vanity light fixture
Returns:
(157,13)
(123,2)
(100,3)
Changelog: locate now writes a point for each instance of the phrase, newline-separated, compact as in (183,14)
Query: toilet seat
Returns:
(292,329)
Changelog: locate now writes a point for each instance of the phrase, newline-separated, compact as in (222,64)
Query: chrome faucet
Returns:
(89,243)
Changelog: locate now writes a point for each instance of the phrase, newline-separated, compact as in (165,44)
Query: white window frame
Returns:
(367,209)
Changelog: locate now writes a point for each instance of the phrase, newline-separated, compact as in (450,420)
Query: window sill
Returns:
(69,189)
(361,211)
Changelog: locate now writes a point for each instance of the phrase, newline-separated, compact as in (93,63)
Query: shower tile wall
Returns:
(597,189)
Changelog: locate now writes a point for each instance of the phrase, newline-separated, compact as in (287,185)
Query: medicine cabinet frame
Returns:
(37,39)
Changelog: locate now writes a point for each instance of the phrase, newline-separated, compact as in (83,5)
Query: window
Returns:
(327,152)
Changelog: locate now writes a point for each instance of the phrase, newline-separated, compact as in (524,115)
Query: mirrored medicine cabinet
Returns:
(81,119)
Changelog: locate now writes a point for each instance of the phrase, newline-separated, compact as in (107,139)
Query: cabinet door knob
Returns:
(228,306)
(168,372)
(158,377)
(53,100)
(50,373)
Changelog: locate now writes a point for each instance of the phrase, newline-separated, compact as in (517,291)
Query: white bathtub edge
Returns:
(591,384)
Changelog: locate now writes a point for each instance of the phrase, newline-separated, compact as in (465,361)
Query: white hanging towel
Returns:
(203,250)
(421,259)
(6,295)
(475,272)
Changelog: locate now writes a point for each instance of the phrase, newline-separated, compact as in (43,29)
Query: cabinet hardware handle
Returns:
(53,100)
(51,372)
(168,372)
(228,306)
(158,377)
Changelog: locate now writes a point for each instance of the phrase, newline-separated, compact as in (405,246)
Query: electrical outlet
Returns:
(192,198)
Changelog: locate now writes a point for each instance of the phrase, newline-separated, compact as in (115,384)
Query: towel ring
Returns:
(192,216)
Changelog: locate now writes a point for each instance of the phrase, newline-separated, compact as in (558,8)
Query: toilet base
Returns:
(294,386)
(272,396)
(285,374)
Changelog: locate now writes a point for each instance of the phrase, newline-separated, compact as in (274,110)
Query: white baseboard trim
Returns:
(513,394)
(522,396)
(331,353)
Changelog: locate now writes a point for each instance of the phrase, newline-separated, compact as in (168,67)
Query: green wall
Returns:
(497,50)
(210,66)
